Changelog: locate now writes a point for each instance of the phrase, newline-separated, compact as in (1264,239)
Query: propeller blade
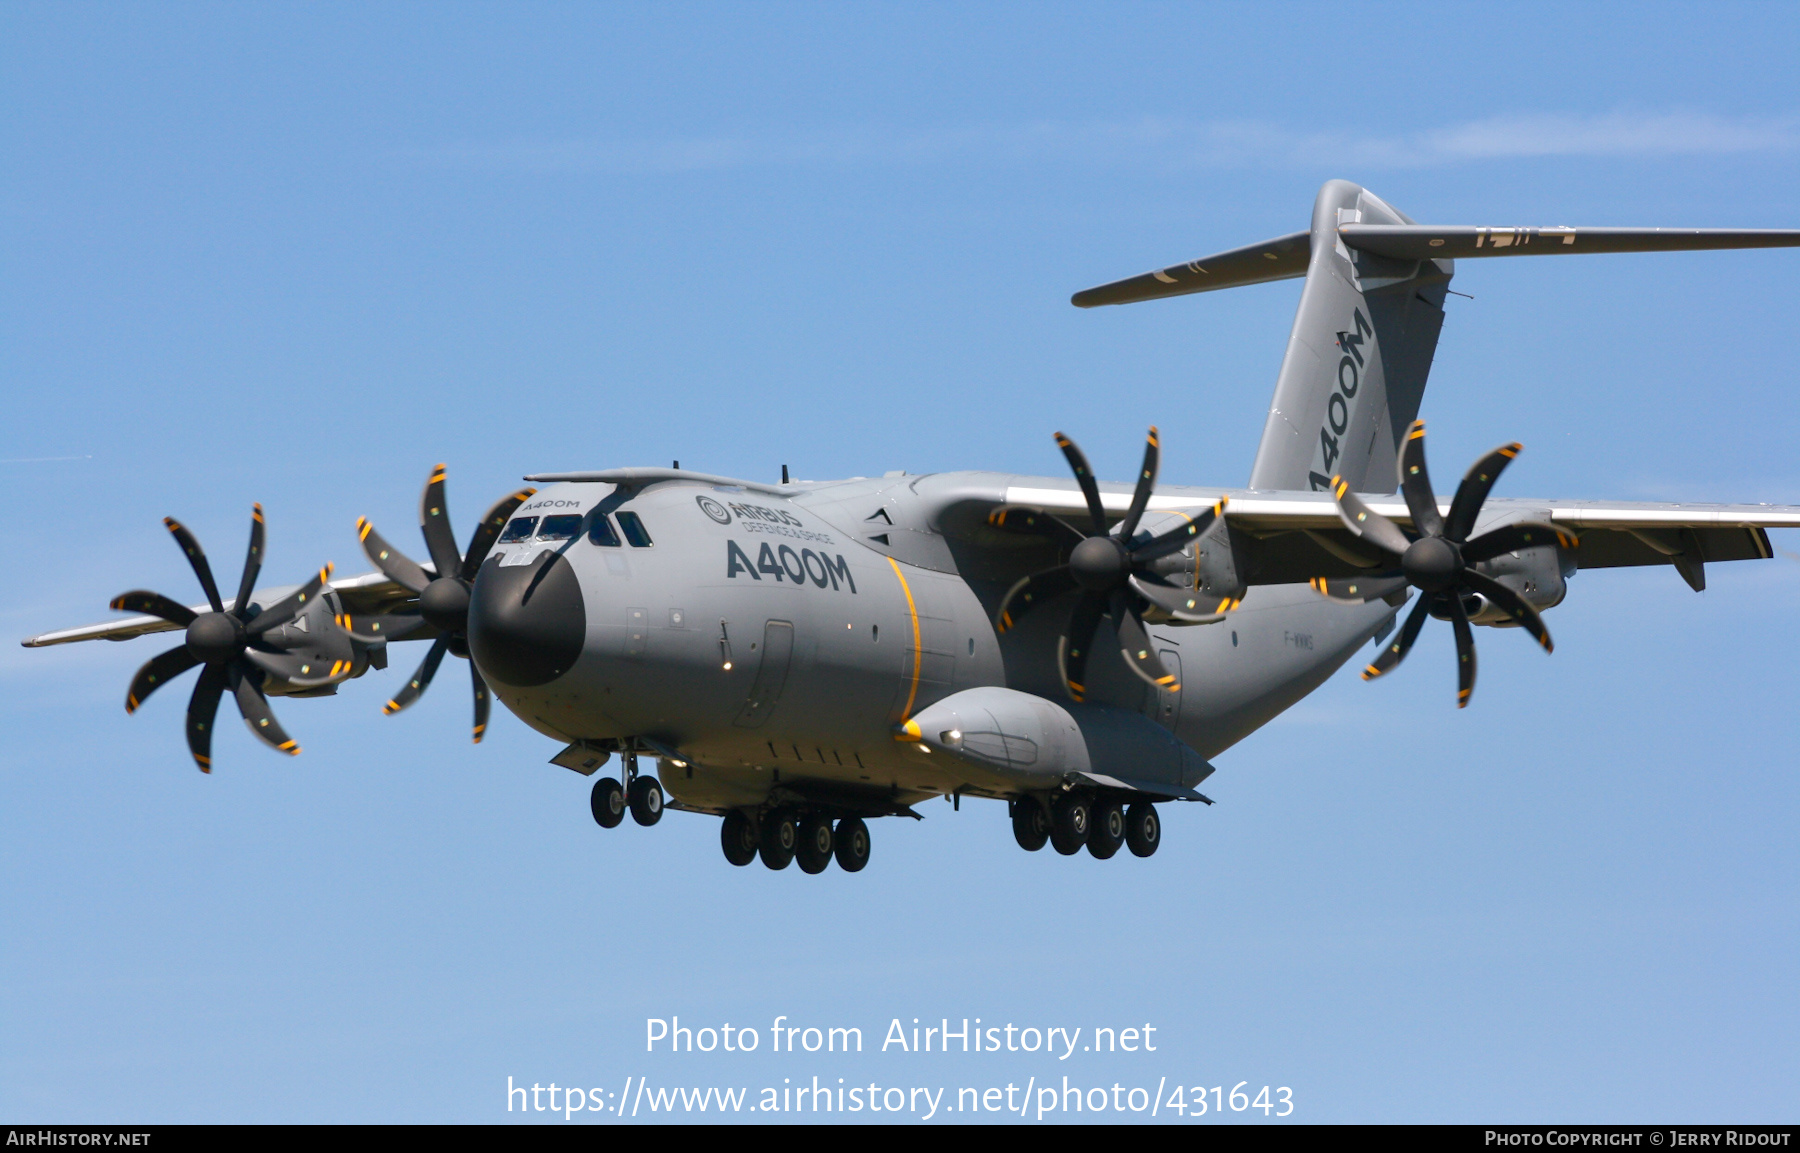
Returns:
(308,669)
(1474,489)
(489,531)
(158,671)
(481,701)
(1176,538)
(288,607)
(399,567)
(1511,537)
(381,626)
(1365,522)
(252,564)
(1357,590)
(156,605)
(203,707)
(1073,651)
(196,558)
(434,521)
(1513,605)
(1465,651)
(1084,476)
(1183,603)
(1031,521)
(1136,645)
(1415,483)
(420,679)
(255,709)
(1402,644)
(1140,496)
(1028,592)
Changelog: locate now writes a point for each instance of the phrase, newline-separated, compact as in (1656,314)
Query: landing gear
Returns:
(1031,825)
(852,844)
(738,838)
(646,798)
(816,843)
(1107,832)
(1069,820)
(607,802)
(1143,829)
(780,837)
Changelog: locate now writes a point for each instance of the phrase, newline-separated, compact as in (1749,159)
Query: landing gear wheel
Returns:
(852,844)
(816,842)
(646,798)
(1031,825)
(1107,834)
(737,835)
(608,803)
(1069,820)
(779,839)
(1143,829)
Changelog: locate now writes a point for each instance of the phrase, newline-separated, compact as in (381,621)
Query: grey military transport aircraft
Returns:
(801,657)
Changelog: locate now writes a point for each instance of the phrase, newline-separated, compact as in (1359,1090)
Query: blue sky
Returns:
(298,254)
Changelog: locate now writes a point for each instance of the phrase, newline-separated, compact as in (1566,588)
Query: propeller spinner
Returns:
(443,595)
(1438,558)
(242,651)
(1116,576)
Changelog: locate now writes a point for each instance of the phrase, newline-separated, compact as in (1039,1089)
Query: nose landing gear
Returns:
(642,796)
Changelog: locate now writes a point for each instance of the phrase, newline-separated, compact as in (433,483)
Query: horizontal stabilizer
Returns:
(1283,258)
(1436,242)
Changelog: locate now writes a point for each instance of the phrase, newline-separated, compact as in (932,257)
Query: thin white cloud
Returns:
(1155,142)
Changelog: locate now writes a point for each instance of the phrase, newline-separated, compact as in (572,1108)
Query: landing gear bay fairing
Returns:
(800,658)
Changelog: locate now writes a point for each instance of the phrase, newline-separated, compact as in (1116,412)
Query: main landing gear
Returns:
(784,836)
(641,796)
(1074,819)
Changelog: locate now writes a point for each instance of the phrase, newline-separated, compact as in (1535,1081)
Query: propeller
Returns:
(1438,558)
(240,649)
(443,594)
(1117,577)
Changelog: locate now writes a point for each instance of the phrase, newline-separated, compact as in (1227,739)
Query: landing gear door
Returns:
(771,674)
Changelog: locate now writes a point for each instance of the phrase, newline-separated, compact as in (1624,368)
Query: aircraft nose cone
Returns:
(1431,563)
(527,622)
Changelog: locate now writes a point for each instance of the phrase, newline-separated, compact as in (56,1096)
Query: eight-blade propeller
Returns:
(1438,558)
(240,650)
(1117,578)
(443,597)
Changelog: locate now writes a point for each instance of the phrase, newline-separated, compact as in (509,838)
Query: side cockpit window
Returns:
(559,528)
(601,532)
(518,529)
(634,530)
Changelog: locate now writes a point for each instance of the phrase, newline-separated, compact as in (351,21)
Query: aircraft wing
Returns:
(1296,536)
(361,595)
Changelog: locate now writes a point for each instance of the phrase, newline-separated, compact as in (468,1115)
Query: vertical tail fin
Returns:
(1357,358)
(1369,318)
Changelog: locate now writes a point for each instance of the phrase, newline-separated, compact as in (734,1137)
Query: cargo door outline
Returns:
(771,674)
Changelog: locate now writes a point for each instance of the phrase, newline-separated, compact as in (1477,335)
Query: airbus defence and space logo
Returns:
(713,509)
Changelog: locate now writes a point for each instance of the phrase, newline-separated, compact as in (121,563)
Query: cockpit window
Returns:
(518,529)
(601,532)
(559,527)
(633,529)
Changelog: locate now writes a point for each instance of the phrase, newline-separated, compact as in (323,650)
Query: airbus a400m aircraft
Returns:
(802,657)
